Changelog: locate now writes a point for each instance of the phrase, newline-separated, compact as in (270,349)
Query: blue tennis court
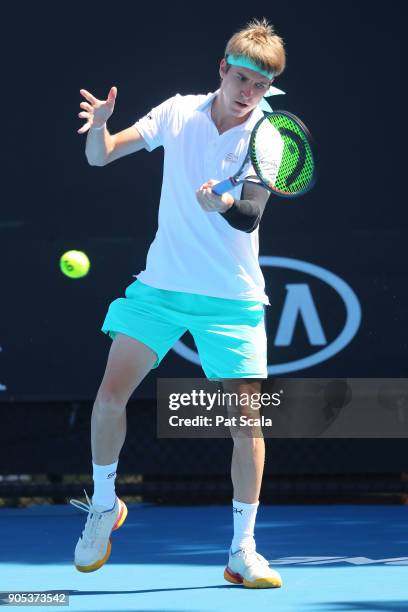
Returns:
(331,557)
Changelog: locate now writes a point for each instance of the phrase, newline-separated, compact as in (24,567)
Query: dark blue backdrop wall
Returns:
(344,77)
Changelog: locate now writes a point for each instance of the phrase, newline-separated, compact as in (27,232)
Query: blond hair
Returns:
(258,41)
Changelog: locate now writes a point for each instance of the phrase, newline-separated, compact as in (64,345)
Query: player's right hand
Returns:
(96,112)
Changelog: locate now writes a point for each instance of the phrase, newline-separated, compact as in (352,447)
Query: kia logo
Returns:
(299,303)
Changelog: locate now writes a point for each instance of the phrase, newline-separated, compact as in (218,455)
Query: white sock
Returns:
(104,485)
(244,516)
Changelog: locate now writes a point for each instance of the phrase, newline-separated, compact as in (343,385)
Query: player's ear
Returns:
(223,64)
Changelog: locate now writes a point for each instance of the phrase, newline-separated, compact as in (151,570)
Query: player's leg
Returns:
(247,463)
(248,456)
(232,347)
(143,328)
(245,565)
(128,363)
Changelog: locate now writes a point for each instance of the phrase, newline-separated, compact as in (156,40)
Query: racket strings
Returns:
(296,170)
(264,147)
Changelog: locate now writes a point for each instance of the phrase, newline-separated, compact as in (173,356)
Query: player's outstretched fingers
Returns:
(84,128)
(87,94)
(112,94)
(86,106)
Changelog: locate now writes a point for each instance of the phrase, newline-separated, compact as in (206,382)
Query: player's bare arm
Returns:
(101,146)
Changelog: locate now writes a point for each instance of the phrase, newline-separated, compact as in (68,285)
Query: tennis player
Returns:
(202,275)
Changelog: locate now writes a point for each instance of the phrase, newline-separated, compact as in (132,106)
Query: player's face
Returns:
(241,88)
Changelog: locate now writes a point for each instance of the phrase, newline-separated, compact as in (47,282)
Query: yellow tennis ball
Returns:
(74,264)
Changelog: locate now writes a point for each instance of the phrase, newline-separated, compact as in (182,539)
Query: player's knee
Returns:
(109,402)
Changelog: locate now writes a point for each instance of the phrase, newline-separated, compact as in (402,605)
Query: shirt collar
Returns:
(208,100)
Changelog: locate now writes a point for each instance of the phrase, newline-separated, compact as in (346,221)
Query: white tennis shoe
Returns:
(94,546)
(251,569)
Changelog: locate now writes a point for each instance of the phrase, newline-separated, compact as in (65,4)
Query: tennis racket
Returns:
(291,175)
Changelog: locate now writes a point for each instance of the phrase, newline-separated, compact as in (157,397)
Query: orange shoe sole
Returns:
(259,583)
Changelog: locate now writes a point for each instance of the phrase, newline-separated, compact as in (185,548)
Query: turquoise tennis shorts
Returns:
(229,334)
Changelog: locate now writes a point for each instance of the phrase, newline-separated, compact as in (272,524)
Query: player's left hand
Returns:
(210,201)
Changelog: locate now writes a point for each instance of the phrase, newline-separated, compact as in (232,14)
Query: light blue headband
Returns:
(245,62)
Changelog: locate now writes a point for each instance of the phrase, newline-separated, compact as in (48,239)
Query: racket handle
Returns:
(224,186)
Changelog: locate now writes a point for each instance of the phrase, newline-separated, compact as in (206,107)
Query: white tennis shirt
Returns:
(194,250)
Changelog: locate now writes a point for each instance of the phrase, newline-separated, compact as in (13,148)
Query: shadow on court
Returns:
(350,606)
(138,591)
